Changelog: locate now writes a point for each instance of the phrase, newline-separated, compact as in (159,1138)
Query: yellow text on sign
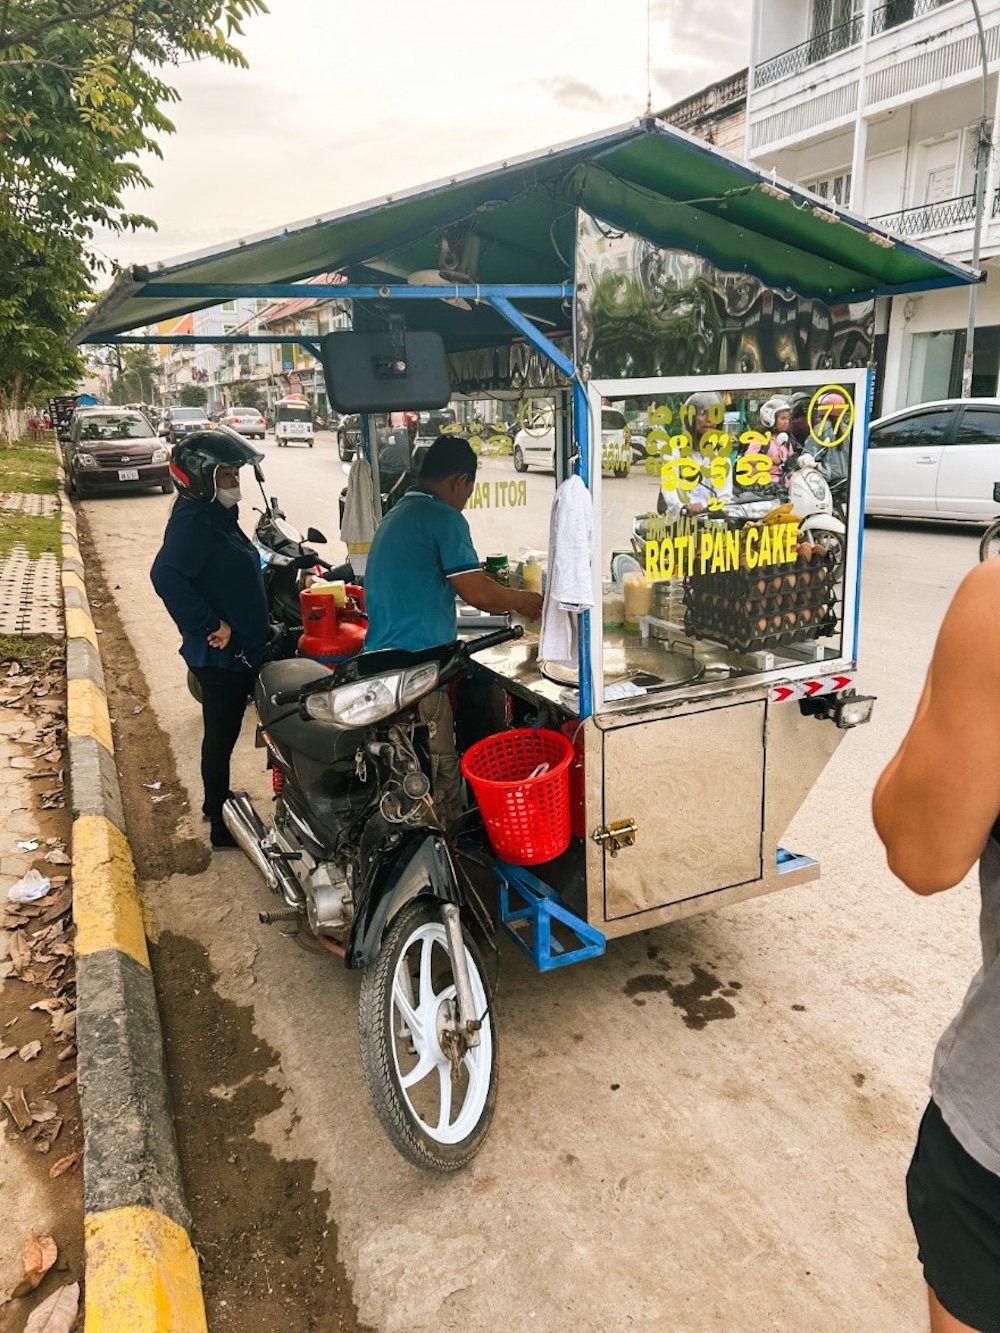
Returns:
(499,495)
(719,550)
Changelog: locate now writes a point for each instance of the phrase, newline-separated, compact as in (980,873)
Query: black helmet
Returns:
(194,460)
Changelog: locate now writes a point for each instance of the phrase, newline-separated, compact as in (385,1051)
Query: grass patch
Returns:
(38,535)
(30,468)
(36,650)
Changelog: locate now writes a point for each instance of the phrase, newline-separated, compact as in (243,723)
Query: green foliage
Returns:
(193,395)
(80,98)
(136,383)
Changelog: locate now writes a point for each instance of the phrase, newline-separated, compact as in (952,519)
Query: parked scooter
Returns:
(990,544)
(356,850)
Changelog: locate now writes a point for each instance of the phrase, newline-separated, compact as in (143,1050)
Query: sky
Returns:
(349,100)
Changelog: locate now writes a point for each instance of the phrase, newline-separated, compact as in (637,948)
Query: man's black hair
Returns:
(448,456)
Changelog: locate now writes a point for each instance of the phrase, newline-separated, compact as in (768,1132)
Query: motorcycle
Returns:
(356,852)
(989,546)
(286,564)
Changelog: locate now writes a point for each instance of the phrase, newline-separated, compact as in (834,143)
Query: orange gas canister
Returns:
(334,622)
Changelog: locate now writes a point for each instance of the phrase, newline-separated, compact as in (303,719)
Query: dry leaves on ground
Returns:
(58,1313)
(37,1257)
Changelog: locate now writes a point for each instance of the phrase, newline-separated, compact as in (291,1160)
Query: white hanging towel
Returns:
(358,526)
(570,587)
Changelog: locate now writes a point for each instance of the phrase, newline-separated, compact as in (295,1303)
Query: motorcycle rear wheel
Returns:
(436,1114)
(990,544)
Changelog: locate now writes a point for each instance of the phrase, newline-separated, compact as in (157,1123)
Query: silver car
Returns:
(245,421)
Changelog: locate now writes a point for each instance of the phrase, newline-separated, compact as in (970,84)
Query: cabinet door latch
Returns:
(613,837)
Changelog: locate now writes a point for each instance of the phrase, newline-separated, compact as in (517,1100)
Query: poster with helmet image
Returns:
(737,539)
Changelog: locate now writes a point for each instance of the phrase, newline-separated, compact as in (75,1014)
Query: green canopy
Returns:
(647,178)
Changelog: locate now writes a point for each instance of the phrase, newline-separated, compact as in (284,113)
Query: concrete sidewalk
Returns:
(141,1269)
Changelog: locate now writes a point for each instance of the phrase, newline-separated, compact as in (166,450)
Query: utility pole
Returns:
(984,135)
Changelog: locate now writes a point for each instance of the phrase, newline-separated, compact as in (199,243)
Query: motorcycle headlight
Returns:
(817,485)
(373,700)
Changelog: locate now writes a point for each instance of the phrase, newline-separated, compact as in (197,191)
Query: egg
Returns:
(790,618)
(805,552)
(805,578)
(805,615)
(762,625)
(791,580)
(762,586)
(776,583)
(776,622)
(819,552)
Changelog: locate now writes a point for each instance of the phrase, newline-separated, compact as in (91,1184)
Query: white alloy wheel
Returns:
(434,1101)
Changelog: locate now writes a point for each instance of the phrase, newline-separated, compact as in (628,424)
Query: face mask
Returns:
(229,497)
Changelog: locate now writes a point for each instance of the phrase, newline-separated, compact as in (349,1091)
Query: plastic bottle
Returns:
(531,575)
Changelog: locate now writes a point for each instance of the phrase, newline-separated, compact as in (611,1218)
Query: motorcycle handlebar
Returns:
(282,697)
(484,641)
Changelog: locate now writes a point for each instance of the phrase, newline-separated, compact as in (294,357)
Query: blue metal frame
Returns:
(293,291)
(543,906)
(788,861)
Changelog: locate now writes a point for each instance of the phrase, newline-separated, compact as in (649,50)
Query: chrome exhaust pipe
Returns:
(249,831)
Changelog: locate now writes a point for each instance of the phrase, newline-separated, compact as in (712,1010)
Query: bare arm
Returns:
(939,796)
(479,590)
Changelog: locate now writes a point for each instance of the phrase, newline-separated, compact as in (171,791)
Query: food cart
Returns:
(645,284)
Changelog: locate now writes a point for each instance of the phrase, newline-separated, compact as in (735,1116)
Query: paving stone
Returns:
(35,506)
(30,595)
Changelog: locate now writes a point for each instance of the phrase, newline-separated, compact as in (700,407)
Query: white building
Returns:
(877,105)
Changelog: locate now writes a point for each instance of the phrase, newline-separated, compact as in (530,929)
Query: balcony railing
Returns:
(895,12)
(942,216)
(820,47)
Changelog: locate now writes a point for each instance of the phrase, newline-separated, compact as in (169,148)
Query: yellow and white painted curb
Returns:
(141,1268)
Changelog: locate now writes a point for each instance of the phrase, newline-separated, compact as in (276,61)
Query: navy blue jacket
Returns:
(207,571)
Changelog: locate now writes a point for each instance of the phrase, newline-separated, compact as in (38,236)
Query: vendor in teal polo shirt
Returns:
(421,557)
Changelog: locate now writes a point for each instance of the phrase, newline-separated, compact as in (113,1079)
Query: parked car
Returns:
(113,449)
(245,420)
(538,447)
(180,421)
(936,460)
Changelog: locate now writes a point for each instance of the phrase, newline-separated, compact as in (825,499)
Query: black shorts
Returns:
(954,1206)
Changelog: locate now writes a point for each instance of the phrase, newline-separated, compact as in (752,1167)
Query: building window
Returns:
(936,364)
(229,305)
(836,187)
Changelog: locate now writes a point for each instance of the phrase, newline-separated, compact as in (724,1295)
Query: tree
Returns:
(81,96)
(193,395)
(136,379)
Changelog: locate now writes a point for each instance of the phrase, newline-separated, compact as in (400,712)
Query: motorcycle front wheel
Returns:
(990,544)
(435,1105)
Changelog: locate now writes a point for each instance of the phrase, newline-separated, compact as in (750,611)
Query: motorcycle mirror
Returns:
(258,474)
(314,535)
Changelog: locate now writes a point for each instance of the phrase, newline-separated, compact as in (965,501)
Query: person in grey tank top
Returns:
(937,809)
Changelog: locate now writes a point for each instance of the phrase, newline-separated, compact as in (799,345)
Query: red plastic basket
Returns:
(527,818)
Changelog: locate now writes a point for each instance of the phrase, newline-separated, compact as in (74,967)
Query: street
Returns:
(655,1162)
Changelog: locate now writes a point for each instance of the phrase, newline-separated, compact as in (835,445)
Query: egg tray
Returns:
(821,569)
(732,625)
(751,607)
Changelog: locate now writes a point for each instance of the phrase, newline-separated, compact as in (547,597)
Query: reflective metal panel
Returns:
(642,310)
(693,787)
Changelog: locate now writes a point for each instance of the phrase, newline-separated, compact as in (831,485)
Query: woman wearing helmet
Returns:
(776,417)
(208,575)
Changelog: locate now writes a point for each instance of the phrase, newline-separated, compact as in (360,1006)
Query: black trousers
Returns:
(224,697)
